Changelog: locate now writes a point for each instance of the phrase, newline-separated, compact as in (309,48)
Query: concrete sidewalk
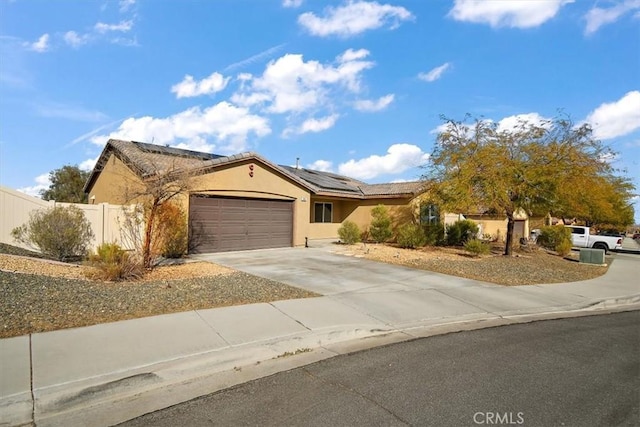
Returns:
(105,374)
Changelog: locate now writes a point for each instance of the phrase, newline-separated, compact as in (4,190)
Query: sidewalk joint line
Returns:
(211,327)
(357,308)
(295,320)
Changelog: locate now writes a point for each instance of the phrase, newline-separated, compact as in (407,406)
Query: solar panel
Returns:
(324,180)
(172,151)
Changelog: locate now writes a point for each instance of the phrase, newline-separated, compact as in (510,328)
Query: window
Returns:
(429,214)
(323,212)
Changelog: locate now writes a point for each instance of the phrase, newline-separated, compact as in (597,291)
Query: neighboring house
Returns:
(244,201)
(496,226)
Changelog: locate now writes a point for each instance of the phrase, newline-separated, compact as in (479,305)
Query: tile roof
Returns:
(150,159)
(395,188)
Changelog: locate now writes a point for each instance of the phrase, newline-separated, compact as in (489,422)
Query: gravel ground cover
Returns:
(528,266)
(41,295)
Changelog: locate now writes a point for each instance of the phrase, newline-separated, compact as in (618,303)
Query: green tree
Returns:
(536,167)
(380,229)
(67,185)
(602,201)
(349,232)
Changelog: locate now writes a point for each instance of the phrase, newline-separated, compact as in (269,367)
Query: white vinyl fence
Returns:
(15,208)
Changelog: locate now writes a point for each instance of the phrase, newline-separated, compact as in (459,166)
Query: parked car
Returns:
(582,238)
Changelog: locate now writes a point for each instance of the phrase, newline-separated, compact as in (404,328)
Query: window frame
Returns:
(430,218)
(323,219)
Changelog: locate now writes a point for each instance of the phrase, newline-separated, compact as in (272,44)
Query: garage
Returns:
(222,224)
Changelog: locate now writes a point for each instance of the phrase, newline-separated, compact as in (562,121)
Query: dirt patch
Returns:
(526,267)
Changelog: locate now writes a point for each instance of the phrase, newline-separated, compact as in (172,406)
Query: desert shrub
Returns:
(349,232)
(554,236)
(476,247)
(380,229)
(434,234)
(112,263)
(62,233)
(564,247)
(411,236)
(460,232)
(171,230)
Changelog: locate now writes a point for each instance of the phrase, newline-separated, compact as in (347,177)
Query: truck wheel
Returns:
(601,245)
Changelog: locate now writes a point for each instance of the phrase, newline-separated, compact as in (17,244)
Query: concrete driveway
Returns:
(402,297)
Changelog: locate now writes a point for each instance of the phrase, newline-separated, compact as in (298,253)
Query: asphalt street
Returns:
(582,371)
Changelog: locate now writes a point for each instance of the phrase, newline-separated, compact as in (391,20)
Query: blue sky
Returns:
(354,87)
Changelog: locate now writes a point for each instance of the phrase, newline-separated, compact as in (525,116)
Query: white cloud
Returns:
(225,124)
(321,165)
(291,85)
(502,13)
(443,127)
(125,5)
(596,17)
(42,183)
(88,164)
(292,3)
(353,18)
(40,45)
(399,158)
(353,55)
(122,26)
(377,105)
(506,124)
(617,118)
(317,125)
(516,121)
(434,74)
(74,39)
(188,87)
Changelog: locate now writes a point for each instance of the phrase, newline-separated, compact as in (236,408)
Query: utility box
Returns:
(592,256)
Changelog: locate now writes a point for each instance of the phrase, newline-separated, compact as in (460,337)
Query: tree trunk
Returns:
(148,232)
(508,247)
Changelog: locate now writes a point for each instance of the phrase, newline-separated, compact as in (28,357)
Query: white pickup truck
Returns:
(581,238)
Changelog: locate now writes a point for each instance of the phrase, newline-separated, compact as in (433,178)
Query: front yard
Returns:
(530,267)
(40,295)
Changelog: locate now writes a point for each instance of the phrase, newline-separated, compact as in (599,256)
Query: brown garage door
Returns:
(221,224)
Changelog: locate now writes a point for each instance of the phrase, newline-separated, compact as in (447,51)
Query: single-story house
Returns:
(495,226)
(244,201)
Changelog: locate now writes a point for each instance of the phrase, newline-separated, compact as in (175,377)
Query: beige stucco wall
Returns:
(114,183)
(497,228)
(357,211)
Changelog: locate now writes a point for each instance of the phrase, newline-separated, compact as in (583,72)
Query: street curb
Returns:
(93,402)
